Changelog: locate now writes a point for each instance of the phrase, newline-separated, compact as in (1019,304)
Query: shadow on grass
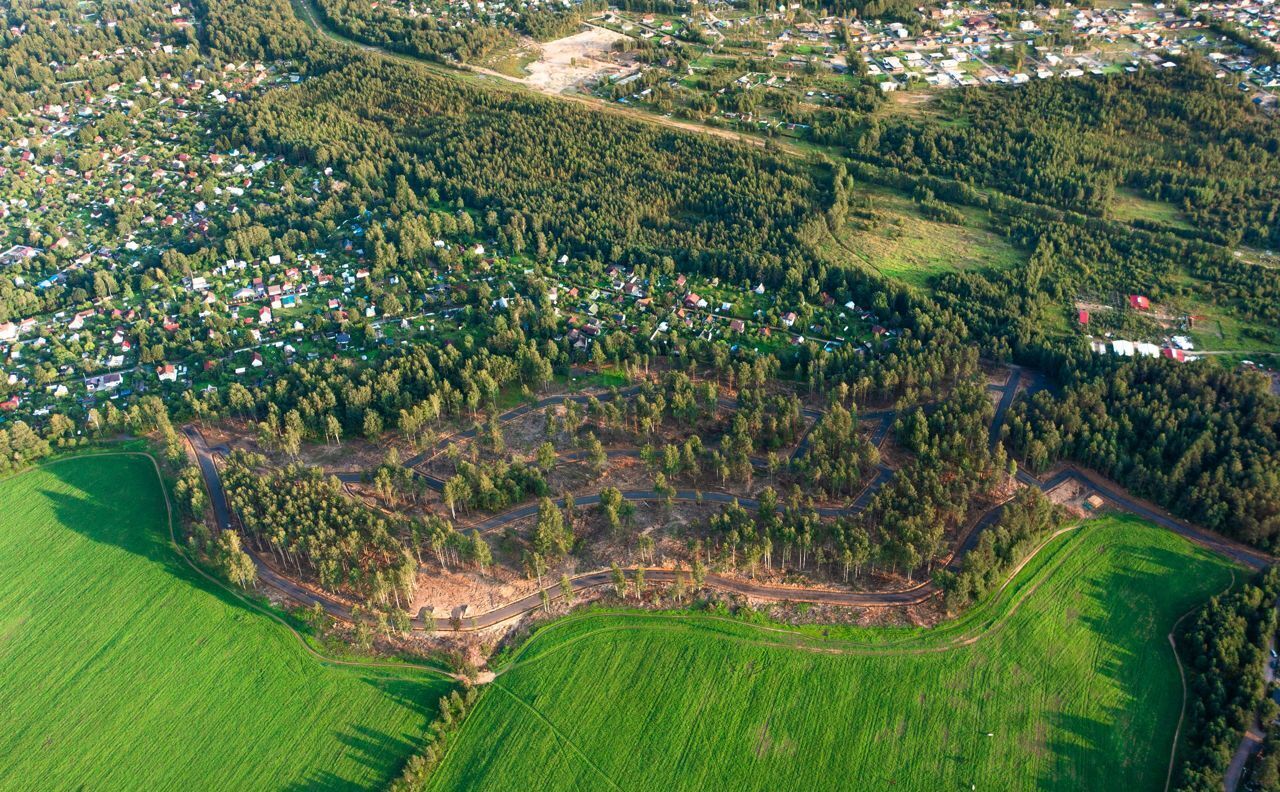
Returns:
(116,502)
(134,521)
(1097,750)
(381,753)
(420,696)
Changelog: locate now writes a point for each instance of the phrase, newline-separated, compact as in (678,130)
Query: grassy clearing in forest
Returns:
(1065,680)
(902,244)
(121,668)
(1129,205)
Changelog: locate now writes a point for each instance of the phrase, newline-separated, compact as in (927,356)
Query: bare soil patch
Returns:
(568,62)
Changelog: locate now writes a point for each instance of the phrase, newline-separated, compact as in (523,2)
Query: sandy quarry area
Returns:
(565,63)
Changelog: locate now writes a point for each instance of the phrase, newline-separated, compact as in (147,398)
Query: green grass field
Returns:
(121,668)
(1068,670)
(1129,205)
(902,244)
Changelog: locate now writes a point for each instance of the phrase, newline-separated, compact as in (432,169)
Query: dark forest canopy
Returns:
(1199,440)
(449,37)
(1226,645)
(594,186)
(1179,136)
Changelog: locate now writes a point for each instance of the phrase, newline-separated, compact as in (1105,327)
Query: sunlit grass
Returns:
(1064,681)
(120,668)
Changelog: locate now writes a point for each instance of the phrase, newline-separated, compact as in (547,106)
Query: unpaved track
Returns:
(307,13)
(465,621)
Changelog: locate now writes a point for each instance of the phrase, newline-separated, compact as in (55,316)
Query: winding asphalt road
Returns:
(465,620)
(885,420)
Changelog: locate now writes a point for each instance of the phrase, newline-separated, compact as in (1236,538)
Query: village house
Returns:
(103,382)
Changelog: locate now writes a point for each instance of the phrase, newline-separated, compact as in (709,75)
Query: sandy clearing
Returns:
(568,62)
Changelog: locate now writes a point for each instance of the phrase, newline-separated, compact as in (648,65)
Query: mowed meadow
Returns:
(1065,680)
(121,668)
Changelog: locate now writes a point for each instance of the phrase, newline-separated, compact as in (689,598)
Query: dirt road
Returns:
(463,619)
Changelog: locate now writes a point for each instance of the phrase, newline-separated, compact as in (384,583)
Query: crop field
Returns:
(120,668)
(1064,680)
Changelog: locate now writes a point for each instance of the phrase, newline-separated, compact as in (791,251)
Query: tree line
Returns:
(1226,647)
(1199,440)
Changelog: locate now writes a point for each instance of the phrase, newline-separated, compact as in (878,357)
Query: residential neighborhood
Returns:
(773,70)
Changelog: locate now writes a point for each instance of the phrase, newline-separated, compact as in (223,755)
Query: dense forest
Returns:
(304,521)
(1024,523)
(1226,645)
(930,497)
(559,177)
(1178,136)
(423,36)
(1201,441)
(451,37)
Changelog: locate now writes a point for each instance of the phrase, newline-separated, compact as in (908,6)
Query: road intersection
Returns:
(463,620)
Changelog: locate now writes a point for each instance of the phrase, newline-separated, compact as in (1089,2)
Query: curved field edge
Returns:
(1064,680)
(970,626)
(123,667)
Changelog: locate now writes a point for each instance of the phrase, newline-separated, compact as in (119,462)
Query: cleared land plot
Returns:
(1129,205)
(902,244)
(1063,681)
(514,61)
(566,62)
(120,668)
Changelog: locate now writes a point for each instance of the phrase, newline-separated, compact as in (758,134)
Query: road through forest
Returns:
(466,620)
(1107,489)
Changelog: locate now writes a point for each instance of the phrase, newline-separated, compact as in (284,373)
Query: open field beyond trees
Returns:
(121,668)
(1065,680)
(893,238)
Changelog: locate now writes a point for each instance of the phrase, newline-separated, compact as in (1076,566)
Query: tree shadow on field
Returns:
(376,750)
(1080,753)
(120,518)
(321,781)
(419,696)
(1129,610)
(379,752)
